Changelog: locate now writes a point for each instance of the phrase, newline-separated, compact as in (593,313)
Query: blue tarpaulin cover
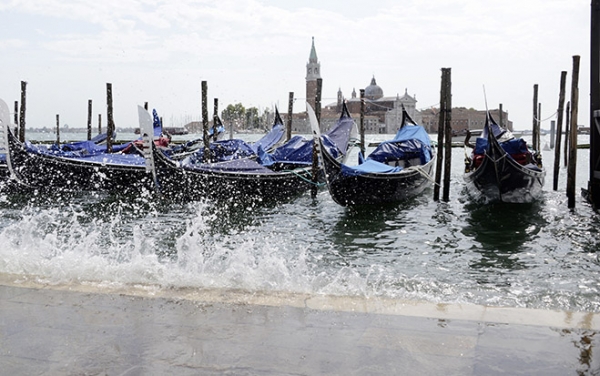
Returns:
(497,130)
(514,146)
(298,150)
(270,139)
(369,166)
(243,166)
(410,142)
(112,158)
(225,150)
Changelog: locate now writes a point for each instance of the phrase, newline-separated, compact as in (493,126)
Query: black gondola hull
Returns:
(183,183)
(370,189)
(505,180)
(40,171)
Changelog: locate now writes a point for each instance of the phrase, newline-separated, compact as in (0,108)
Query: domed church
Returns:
(384,113)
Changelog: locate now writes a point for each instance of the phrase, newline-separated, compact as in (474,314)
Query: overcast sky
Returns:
(255,52)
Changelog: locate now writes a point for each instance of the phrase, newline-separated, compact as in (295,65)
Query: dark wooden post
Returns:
(571,168)
(594,182)
(57,130)
(16,119)
(362,121)
(146,106)
(109,118)
(447,135)
(535,130)
(567,132)
(99,123)
(288,128)
(552,132)
(205,136)
(559,120)
(215,117)
(315,154)
(441,132)
(500,115)
(22,111)
(89,120)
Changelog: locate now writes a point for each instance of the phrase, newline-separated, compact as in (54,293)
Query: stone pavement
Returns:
(142,330)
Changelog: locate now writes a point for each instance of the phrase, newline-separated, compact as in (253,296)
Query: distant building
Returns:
(463,119)
(387,110)
(383,114)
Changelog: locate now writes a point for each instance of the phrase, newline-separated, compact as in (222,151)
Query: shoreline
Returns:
(332,303)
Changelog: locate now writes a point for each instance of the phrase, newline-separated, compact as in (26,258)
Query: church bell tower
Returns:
(313,72)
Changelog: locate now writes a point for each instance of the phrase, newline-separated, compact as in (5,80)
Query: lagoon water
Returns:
(541,255)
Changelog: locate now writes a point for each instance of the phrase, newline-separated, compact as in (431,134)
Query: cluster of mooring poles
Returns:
(19,117)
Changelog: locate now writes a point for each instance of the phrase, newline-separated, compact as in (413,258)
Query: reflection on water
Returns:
(366,226)
(502,235)
(502,231)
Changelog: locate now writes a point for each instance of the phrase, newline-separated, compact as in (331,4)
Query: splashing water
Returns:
(538,255)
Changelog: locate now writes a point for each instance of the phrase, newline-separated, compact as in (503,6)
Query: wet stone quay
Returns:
(146,330)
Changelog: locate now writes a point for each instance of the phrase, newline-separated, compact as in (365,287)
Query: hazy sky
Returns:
(255,52)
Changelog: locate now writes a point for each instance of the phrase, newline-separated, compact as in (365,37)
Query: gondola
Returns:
(283,173)
(501,168)
(74,166)
(397,170)
(80,147)
(37,168)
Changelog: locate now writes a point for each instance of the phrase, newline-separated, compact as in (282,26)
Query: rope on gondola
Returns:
(305,179)
(425,174)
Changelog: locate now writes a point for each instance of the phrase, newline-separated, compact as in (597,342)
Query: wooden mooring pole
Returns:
(205,136)
(110,125)
(500,115)
(288,127)
(559,120)
(441,133)
(16,119)
(315,154)
(57,130)
(447,135)
(22,111)
(593,188)
(567,133)
(535,129)
(89,120)
(99,123)
(215,118)
(571,168)
(362,122)
(552,133)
